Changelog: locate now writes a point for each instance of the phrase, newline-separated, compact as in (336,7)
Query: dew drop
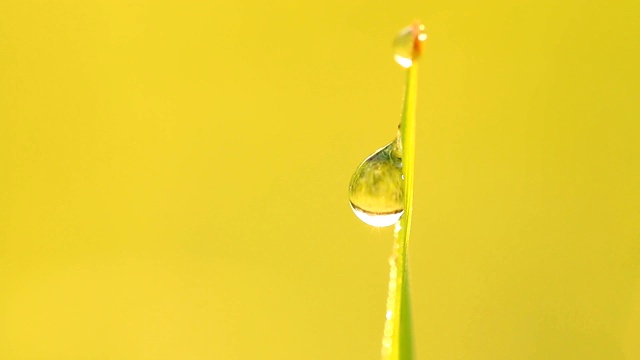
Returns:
(407,45)
(376,191)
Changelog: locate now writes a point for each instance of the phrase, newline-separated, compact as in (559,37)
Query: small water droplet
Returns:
(407,45)
(376,192)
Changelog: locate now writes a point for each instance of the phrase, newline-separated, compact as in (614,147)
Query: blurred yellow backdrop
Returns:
(173,179)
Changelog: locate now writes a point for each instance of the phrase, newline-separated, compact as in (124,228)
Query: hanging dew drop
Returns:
(376,191)
(407,44)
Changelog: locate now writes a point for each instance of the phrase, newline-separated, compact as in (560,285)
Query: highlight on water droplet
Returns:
(376,191)
(407,45)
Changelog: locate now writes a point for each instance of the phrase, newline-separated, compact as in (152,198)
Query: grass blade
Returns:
(398,335)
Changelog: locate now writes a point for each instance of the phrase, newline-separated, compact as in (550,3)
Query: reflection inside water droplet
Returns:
(407,44)
(376,192)
(377,220)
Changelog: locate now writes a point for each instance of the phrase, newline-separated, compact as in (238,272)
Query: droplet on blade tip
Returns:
(407,45)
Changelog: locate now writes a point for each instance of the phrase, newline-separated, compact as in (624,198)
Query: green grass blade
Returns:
(398,335)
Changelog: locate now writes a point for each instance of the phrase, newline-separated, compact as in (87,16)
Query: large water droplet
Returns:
(407,44)
(376,192)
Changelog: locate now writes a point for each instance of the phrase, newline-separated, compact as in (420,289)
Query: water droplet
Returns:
(376,192)
(407,45)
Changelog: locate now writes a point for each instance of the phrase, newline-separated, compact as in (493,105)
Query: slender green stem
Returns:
(398,334)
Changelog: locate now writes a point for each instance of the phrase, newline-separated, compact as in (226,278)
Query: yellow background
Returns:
(173,179)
